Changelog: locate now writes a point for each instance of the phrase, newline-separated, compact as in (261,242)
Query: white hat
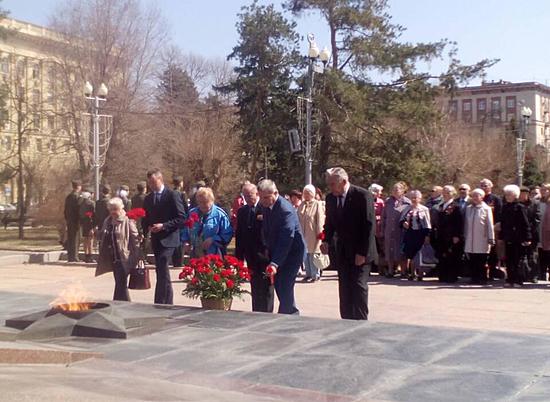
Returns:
(310,188)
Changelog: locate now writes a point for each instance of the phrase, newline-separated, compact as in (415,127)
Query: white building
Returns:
(494,104)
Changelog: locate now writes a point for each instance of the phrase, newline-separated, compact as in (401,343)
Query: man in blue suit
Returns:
(285,243)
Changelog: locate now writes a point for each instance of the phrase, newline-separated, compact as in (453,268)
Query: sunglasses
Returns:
(463,189)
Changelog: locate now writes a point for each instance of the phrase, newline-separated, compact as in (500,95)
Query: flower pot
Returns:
(216,304)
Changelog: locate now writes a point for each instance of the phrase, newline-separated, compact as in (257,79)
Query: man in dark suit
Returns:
(250,246)
(72,218)
(177,259)
(164,218)
(285,243)
(350,219)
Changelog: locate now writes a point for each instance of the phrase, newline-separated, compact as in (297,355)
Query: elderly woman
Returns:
(515,232)
(376,191)
(415,220)
(479,236)
(119,249)
(208,228)
(391,229)
(448,236)
(311,215)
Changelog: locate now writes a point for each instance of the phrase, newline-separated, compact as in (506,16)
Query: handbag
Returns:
(139,277)
(321,261)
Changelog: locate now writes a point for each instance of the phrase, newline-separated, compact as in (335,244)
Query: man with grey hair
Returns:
(285,243)
(250,246)
(351,221)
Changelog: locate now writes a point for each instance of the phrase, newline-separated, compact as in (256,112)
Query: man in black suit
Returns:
(350,219)
(177,259)
(72,217)
(250,246)
(164,218)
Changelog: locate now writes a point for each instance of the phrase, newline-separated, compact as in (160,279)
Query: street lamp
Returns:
(313,55)
(521,141)
(101,96)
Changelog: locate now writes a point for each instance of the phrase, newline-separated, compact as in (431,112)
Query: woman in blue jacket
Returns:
(208,228)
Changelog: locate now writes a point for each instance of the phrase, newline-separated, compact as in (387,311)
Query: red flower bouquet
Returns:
(321,236)
(214,277)
(193,218)
(136,213)
(89,214)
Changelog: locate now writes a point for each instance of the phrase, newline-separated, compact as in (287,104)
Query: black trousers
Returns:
(476,265)
(121,283)
(262,291)
(177,258)
(514,267)
(164,293)
(353,289)
(73,241)
(544,263)
(449,263)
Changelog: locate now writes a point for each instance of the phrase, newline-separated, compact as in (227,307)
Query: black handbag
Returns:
(139,277)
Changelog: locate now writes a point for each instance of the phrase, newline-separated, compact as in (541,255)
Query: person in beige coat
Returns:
(311,214)
(119,250)
(479,236)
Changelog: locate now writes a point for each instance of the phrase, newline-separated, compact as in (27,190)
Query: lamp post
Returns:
(100,96)
(313,55)
(521,142)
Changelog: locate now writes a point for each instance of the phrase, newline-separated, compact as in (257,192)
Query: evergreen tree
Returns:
(267,56)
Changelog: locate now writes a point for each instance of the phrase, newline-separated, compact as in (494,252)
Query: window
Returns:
(481,109)
(35,71)
(36,121)
(495,110)
(4,118)
(7,143)
(20,69)
(467,110)
(25,143)
(51,122)
(510,102)
(51,75)
(49,98)
(5,65)
(39,144)
(52,145)
(453,109)
(36,97)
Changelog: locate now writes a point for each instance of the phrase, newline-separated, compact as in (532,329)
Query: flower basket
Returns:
(215,280)
(216,304)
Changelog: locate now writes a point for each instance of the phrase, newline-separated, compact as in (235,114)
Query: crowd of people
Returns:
(449,234)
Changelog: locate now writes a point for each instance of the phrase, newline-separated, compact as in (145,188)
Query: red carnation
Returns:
(321,236)
(89,214)
(181,275)
(230,284)
(216,278)
(195,280)
(136,213)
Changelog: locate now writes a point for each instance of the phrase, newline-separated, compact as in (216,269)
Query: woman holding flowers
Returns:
(208,228)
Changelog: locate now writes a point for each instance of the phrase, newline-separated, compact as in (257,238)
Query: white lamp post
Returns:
(313,55)
(521,142)
(101,96)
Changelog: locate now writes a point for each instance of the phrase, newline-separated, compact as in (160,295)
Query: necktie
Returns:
(339,207)
(157,198)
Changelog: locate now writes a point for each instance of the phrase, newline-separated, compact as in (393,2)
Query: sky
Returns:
(515,32)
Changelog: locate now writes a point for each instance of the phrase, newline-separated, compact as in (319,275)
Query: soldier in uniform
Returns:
(72,218)
(137,199)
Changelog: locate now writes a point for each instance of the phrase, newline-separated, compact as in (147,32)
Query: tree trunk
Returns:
(20,181)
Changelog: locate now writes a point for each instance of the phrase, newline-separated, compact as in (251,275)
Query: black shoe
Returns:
(411,278)
(306,279)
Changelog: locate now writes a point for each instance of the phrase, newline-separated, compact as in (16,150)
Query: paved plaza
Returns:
(424,342)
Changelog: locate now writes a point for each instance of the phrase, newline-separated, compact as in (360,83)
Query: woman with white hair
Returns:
(448,236)
(479,236)
(515,231)
(119,250)
(311,215)
(415,219)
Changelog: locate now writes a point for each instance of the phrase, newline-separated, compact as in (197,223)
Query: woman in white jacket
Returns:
(479,235)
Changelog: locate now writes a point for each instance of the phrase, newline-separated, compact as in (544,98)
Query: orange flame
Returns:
(73,298)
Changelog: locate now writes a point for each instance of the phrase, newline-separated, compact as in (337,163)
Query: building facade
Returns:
(31,113)
(499,104)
